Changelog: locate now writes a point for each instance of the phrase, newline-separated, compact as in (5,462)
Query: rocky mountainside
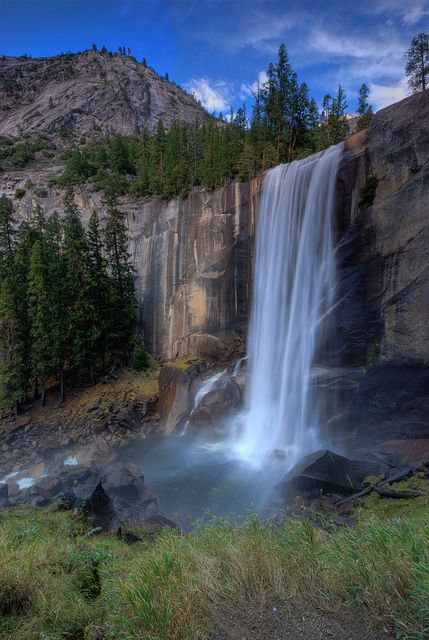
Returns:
(193,259)
(88,92)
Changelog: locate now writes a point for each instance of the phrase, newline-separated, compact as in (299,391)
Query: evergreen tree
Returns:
(38,309)
(123,304)
(157,156)
(364,108)
(417,65)
(12,390)
(337,123)
(76,289)
(210,169)
(56,275)
(99,295)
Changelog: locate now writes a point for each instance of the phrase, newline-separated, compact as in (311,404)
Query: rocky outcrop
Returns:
(193,261)
(382,323)
(88,93)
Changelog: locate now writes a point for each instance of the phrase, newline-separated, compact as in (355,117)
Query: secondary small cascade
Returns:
(293,292)
(205,388)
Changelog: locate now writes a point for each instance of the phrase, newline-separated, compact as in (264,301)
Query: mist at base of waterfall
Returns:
(193,477)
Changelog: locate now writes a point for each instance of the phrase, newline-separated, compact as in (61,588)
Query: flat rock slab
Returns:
(327,472)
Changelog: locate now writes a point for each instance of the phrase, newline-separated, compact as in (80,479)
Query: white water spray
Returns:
(293,291)
(205,388)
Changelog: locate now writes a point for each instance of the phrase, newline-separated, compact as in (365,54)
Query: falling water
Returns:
(293,292)
(205,388)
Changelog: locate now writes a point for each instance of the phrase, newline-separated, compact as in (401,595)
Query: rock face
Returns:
(193,261)
(88,93)
(194,258)
(382,324)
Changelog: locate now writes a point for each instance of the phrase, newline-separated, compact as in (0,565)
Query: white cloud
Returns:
(261,29)
(414,15)
(213,95)
(410,12)
(376,58)
(381,95)
(247,90)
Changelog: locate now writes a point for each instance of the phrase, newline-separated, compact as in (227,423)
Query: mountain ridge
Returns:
(88,93)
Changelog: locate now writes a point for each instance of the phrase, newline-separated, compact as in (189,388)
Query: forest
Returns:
(67,299)
(285,124)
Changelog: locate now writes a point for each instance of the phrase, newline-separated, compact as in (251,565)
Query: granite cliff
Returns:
(88,93)
(193,262)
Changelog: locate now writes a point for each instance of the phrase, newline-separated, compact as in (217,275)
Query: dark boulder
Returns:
(327,472)
(101,510)
(125,481)
(4,495)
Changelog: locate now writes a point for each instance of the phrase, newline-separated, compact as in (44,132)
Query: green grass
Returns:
(55,583)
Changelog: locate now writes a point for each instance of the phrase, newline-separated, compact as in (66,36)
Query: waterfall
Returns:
(293,292)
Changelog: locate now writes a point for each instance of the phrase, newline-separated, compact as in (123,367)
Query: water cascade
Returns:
(293,292)
(205,388)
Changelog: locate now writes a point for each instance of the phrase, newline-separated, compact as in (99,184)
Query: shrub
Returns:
(19,193)
(41,192)
(141,359)
(21,156)
(367,194)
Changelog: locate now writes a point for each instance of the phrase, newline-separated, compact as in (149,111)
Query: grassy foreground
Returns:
(56,583)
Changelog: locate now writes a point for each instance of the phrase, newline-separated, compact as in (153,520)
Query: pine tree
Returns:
(417,65)
(27,235)
(76,285)
(56,274)
(123,304)
(38,309)
(157,160)
(99,295)
(12,390)
(364,108)
(337,123)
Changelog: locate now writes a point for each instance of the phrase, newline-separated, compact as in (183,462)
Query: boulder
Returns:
(101,510)
(219,403)
(125,481)
(327,472)
(4,495)
(50,487)
(174,395)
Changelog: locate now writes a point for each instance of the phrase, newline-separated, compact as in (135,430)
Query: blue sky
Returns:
(218,48)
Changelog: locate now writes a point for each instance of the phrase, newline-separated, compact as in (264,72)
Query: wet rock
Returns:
(98,451)
(174,396)
(101,510)
(50,487)
(4,496)
(125,481)
(47,446)
(219,403)
(326,472)
(75,475)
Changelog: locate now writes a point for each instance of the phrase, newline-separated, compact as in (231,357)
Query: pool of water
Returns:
(193,478)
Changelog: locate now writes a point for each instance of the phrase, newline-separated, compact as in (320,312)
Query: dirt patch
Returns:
(289,622)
